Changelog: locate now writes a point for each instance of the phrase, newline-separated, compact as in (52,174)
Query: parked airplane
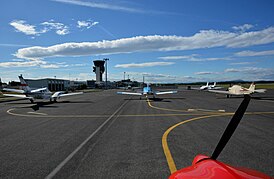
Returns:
(239,90)
(209,167)
(147,91)
(208,86)
(42,93)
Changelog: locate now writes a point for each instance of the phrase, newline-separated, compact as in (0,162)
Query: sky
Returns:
(177,41)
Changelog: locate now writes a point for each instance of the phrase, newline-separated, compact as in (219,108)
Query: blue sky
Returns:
(167,41)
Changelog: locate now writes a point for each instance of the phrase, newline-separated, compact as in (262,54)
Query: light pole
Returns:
(106,59)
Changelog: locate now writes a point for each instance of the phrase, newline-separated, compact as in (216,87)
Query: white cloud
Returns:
(254,53)
(86,24)
(178,57)
(203,39)
(13,45)
(193,58)
(50,66)
(141,65)
(243,28)
(232,70)
(62,31)
(22,26)
(249,70)
(206,73)
(244,73)
(242,63)
(100,5)
(208,59)
(146,74)
(28,63)
(253,73)
(59,28)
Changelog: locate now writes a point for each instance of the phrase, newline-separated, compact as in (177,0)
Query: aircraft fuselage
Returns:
(39,95)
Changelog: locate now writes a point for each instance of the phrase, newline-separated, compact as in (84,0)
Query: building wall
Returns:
(51,84)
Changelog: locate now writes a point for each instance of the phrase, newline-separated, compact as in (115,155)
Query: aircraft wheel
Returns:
(227,95)
(31,100)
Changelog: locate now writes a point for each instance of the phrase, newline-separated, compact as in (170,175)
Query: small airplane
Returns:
(42,93)
(147,91)
(209,167)
(239,90)
(207,86)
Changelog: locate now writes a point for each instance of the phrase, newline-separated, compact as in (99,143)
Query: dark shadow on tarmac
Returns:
(263,98)
(252,97)
(37,105)
(75,102)
(154,99)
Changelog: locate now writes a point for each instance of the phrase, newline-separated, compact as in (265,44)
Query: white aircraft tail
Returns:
(24,85)
(207,83)
(214,84)
(252,87)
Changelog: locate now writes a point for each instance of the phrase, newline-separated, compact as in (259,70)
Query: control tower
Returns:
(99,69)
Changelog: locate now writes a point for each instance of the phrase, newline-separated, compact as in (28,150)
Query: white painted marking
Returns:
(67,159)
(221,110)
(37,113)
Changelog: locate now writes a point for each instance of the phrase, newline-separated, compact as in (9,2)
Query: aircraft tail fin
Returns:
(252,87)
(1,87)
(24,84)
(214,84)
(207,83)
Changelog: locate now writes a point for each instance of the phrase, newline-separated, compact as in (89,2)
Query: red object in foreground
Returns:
(204,167)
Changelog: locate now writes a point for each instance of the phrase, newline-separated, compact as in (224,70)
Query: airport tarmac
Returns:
(105,135)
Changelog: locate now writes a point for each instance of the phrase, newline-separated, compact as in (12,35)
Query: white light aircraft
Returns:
(239,90)
(208,86)
(42,93)
(147,91)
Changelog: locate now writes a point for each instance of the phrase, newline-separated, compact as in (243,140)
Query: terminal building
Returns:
(52,84)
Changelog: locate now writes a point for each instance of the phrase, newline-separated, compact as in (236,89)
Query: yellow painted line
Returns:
(169,158)
(165,109)
(188,110)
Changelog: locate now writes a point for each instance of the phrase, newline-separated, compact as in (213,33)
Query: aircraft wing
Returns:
(165,92)
(260,90)
(13,90)
(70,94)
(217,87)
(38,90)
(17,96)
(219,91)
(62,94)
(129,93)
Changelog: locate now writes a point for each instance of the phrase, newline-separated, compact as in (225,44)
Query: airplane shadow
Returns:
(75,102)
(263,98)
(37,105)
(252,97)
(152,99)
(159,100)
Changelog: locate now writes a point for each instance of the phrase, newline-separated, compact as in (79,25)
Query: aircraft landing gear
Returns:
(53,100)
(31,100)
(227,95)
